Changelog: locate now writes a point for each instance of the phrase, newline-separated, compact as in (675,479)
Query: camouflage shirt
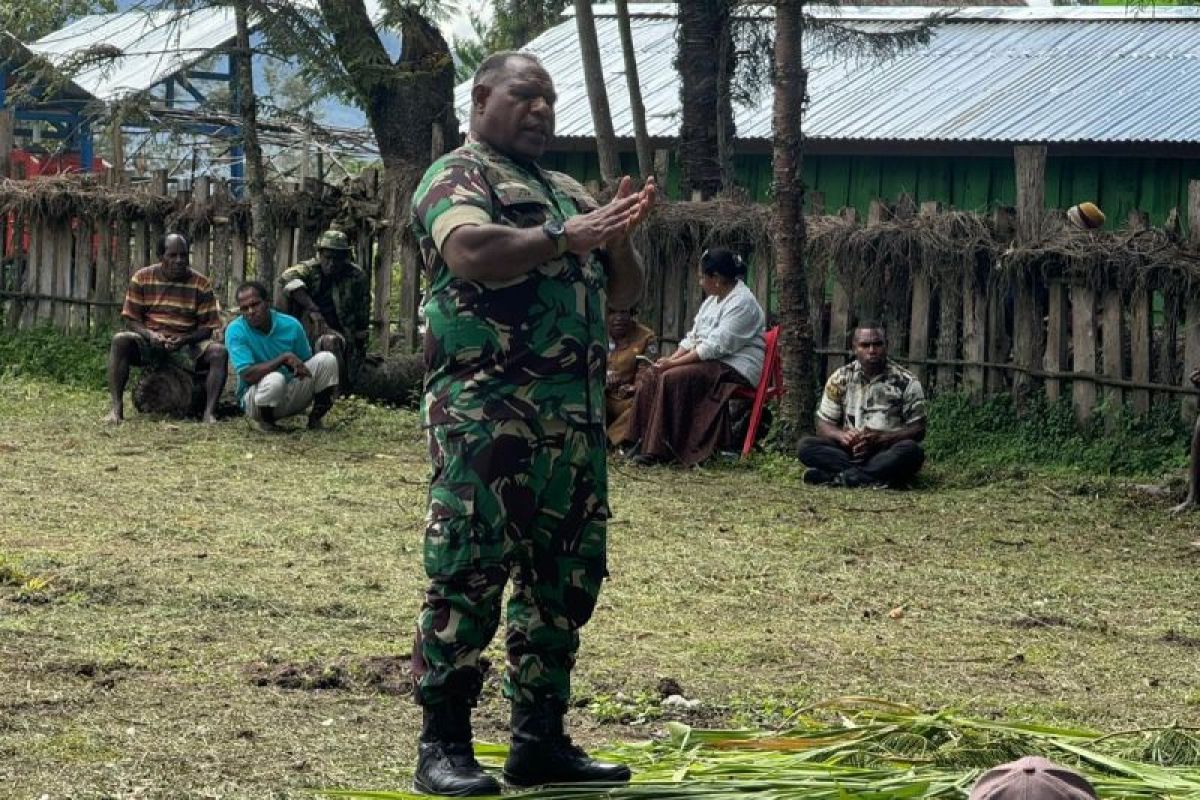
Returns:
(890,401)
(529,348)
(344,299)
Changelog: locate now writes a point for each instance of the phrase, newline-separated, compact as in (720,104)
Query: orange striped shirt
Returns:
(176,307)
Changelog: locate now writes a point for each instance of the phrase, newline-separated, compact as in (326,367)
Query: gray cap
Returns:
(1032,778)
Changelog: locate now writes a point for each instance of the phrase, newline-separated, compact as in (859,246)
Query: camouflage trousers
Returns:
(519,500)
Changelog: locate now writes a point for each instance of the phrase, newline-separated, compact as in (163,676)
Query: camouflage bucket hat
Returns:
(333,240)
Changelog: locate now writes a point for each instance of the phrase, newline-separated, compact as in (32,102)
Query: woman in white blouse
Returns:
(680,409)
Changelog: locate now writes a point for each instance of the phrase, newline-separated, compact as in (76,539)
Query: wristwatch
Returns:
(556,232)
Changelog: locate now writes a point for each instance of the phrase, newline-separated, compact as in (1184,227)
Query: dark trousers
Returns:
(896,464)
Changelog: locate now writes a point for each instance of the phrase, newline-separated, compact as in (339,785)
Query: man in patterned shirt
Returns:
(331,296)
(170,314)
(519,262)
(870,420)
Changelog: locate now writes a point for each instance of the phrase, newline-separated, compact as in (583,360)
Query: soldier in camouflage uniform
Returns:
(331,297)
(519,263)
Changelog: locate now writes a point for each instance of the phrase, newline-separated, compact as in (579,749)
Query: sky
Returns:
(334,112)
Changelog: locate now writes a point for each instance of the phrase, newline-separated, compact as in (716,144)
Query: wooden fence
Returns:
(1012,318)
(1103,337)
(70,246)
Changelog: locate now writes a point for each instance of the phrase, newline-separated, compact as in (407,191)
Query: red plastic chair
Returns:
(770,386)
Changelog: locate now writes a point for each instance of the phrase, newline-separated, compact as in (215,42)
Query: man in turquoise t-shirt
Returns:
(278,375)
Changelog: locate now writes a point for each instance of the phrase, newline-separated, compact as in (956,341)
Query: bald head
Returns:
(174,256)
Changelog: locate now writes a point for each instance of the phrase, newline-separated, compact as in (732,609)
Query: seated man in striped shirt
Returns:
(170,314)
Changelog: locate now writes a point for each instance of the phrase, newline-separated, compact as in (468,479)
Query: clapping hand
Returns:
(613,221)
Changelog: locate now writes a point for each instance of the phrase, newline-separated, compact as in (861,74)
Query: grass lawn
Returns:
(191,611)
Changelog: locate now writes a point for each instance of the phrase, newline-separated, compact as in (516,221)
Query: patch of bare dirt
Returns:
(375,674)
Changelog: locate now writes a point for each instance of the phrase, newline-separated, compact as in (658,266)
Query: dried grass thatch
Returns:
(1128,260)
(68,196)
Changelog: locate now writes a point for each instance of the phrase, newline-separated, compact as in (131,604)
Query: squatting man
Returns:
(278,374)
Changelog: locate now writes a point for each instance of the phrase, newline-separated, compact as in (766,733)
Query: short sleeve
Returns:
(239,349)
(135,306)
(453,193)
(208,313)
(914,402)
(300,344)
(297,276)
(832,408)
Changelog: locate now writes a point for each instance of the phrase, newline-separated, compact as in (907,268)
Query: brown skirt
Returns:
(681,414)
(617,411)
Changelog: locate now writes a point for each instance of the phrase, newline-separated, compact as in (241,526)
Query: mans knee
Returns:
(324,368)
(216,354)
(125,342)
(269,391)
(809,445)
(329,343)
(909,448)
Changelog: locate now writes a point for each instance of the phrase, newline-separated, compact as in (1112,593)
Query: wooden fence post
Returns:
(219,254)
(1112,352)
(1083,345)
(81,285)
(1140,322)
(1031,192)
(42,263)
(104,272)
(60,233)
(865,304)
(839,313)
(997,337)
(918,329)
(974,341)
(1055,358)
(1191,341)
(201,237)
(283,260)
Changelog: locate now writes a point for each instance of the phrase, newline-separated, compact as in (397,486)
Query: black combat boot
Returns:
(446,763)
(542,753)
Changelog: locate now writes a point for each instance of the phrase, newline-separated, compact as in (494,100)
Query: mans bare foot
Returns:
(115,417)
(209,418)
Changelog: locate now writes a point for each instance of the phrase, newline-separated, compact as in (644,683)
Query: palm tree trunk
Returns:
(788,232)
(705,65)
(593,73)
(641,138)
(262,224)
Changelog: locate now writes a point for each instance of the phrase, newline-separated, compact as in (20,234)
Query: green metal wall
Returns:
(1117,185)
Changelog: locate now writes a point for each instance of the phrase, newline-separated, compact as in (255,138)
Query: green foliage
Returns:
(30,20)
(978,441)
(469,53)
(45,352)
(517,22)
(617,708)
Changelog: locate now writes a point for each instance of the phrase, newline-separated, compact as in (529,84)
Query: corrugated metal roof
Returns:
(154,45)
(1048,74)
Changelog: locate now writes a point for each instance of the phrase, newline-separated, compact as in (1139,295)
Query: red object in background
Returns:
(37,165)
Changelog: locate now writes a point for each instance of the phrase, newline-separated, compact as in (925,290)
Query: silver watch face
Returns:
(554,228)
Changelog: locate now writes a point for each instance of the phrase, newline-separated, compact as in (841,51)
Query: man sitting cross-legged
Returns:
(170,316)
(869,422)
(278,375)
